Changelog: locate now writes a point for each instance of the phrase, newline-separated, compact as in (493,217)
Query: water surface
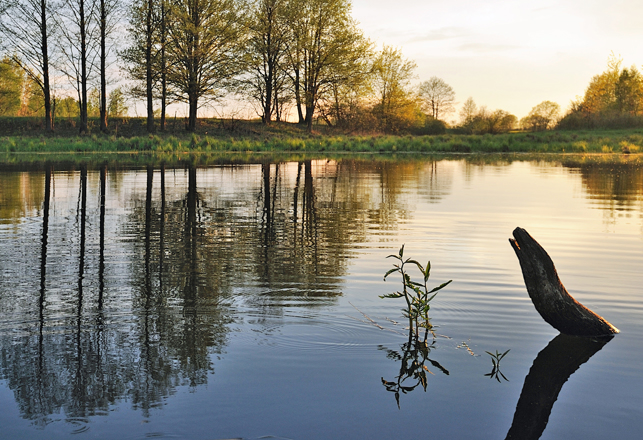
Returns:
(242,300)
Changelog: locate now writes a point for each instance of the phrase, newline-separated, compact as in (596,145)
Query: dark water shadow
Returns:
(551,369)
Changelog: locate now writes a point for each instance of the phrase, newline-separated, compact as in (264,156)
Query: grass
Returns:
(24,135)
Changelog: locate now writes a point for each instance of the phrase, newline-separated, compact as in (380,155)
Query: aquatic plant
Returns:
(417,295)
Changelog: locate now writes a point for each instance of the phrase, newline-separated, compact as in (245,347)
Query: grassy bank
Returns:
(215,136)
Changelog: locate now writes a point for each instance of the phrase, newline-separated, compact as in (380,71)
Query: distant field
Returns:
(222,136)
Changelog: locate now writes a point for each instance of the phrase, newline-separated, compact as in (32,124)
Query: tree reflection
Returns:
(613,186)
(133,308)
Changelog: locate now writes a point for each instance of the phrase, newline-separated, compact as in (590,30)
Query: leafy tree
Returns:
(480,120)
(66,107)
(628,91)
(613,99)
(28,28)
(437,97)
(11,81)
(541,117)
(117,106)
(205,38)
(267,31)
(601,92)
(32,98)
(467,114)
(498,121)
(396,107)
(93,102)
(325,48)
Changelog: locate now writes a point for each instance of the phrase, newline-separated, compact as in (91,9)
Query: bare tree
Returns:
(78,32)
(438,98)
(107,21)
(28,28)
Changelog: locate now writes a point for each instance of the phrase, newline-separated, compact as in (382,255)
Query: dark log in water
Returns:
(551,369)
(548,294)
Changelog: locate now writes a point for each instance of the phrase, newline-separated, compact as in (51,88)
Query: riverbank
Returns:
(220,136)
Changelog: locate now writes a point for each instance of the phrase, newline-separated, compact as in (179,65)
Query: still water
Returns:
(241,301)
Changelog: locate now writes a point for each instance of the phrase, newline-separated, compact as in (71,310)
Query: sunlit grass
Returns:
(253,137)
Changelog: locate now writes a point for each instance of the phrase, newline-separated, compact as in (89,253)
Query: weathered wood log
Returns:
(548,294)
(552,367)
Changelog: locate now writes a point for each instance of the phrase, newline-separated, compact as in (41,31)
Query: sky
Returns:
(508,55)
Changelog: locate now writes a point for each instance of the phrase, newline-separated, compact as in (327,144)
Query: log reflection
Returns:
(552,367)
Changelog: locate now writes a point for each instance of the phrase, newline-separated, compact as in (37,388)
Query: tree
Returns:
(11,83)
(438,98)
(498,121)
(396,107)
(480,120)
(66,108)
(628,91)
(117,106)
(28,27)
(613,99)
(106,24)
(325,48)
(141,56)
(467,113)
(600,95)
(205,40)
(541,117)
(78,31)
(266,28)
(32,99)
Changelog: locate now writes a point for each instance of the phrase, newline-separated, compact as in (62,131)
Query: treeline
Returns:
(285,57)
(613,99)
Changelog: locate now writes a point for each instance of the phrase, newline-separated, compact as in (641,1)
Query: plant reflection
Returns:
(549,372)
(495,362)
(413,357)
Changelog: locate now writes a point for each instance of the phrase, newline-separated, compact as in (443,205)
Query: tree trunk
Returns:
(193,112)
(548,294)
(83,72)
(300,113)
(163,63)
(46,90)
(103,73)
(148,67)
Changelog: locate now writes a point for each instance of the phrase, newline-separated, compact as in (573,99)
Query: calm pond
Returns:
(241,301)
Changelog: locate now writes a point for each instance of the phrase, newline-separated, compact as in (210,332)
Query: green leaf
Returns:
(395,269)
(427,272)
(392,295)
(419,266)
(401,251)
(441,286)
